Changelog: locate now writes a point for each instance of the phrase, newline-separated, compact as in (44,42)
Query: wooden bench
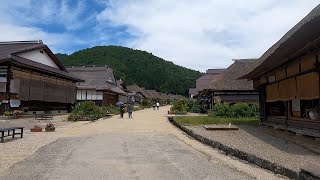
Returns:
(45,115)
(10,129)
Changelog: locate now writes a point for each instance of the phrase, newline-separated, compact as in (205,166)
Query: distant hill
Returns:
(136,67)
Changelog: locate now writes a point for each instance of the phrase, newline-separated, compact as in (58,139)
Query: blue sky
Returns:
(196,34)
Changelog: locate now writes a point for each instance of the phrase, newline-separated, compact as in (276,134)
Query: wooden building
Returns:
(154,95)
(287,77)
(99,85)
(140,93)
(204,81)
(227,88)
(32,79)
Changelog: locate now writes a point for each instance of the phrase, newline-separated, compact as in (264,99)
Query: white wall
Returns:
(39,57)
(89,95)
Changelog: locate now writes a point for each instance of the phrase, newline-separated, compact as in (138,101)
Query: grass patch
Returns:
(205,120)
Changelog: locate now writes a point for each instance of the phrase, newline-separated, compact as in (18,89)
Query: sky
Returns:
(198,34)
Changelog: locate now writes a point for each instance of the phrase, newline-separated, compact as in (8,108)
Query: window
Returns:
(100,95)
(78,94)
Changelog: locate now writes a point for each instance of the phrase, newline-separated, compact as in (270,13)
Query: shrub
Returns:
(146,103)
(179,107)
(194,106)
(235,111)
(111,109)
(87,110)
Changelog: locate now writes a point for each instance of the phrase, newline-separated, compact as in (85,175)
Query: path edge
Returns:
(250,158)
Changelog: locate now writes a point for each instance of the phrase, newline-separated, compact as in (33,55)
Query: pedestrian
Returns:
(154,107)
(121,110)
(130,110)
(158,105)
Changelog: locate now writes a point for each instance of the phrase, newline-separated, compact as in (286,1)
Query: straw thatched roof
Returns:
(303,35)
(154,94)
(228,80)
(136,88)
(10,53)
(96,78)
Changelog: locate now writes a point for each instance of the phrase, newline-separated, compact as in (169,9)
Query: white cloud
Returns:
(205,34)
(27,20)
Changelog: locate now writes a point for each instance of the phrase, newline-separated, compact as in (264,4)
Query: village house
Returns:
(204,81)
(154,95)
(139,93)
(99,85)
(33,80)
(287,77)
(229,89)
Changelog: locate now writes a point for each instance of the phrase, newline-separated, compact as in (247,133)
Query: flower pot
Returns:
(36,129)
(314,115)
(50,129)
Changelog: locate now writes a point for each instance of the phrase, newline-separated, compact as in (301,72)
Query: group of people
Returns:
(129,110)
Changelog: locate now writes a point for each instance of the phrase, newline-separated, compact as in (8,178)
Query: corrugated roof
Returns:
(303,35)
(229,79)
(95,77)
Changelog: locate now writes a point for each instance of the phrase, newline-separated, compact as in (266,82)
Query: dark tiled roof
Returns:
(303,35)
(229,79)
(95,78)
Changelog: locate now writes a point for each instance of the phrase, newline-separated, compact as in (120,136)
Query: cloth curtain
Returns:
(287,89)
(272,92)
(308,86)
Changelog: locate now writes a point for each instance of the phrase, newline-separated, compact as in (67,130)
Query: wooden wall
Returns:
(39,87)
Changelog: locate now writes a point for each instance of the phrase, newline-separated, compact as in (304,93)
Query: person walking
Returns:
(121,110)
(130,110)
(158,105)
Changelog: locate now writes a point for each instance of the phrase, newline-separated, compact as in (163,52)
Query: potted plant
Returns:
(314,113)
(36,128)
(50,127)
(16,114)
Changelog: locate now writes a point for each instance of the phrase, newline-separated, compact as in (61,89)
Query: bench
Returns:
(45,115)
(10,129)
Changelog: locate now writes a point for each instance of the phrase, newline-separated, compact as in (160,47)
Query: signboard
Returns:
(15,102)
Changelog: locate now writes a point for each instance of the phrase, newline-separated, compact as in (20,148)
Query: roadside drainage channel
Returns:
(304,174)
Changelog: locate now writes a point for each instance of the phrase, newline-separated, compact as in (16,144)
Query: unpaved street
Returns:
(146,147)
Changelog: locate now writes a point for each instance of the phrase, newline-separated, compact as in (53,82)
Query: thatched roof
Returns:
(228,80)
(10,53)
(303,35)
(164,96)
(95,78)
(204,81)
(136,88)
(154,94)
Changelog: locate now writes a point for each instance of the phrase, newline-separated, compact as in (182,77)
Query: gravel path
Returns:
(255,141)
(145,122)
(29,121)
(13,151)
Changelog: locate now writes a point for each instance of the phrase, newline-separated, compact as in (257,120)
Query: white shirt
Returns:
(158,104)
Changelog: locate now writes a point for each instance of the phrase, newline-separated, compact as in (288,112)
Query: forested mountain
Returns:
(136,67)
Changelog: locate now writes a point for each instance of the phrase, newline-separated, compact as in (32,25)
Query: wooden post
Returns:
(8,85)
